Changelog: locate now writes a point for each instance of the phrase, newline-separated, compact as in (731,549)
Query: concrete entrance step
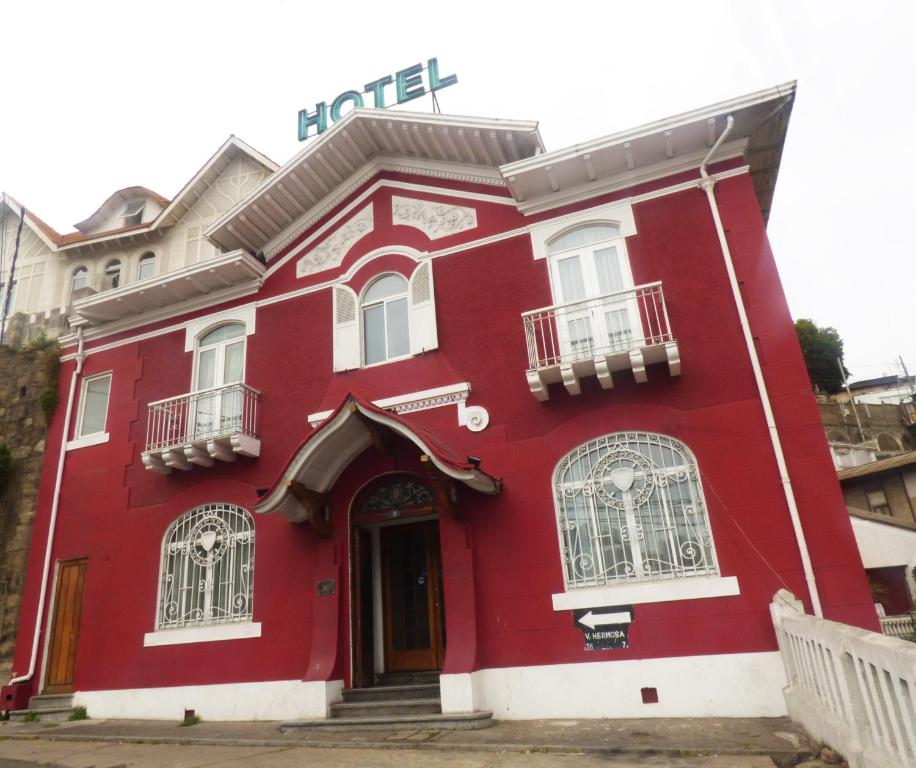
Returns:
(391,693)
(45,715)
(51,701)
(386,708)
(442,722)
(407,678)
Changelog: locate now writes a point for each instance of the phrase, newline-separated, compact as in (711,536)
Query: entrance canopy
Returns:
(300,492)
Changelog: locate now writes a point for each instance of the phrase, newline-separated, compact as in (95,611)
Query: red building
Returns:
(444,401)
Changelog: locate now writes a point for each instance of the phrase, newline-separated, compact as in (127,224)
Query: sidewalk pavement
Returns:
(746,738)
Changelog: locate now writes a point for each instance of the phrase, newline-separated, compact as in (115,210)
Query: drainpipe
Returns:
(707,183)
(80,357)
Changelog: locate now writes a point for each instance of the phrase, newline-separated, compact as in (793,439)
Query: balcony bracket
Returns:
(197,455)
(638,364)
(537,385)
(246,445)
(152,460)
(220,449)
(175,459)
(674,358)
(603,372)
(570,380)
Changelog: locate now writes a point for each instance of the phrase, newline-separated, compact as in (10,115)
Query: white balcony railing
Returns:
(198,427)
(853,689)
(899,626)
(626,329)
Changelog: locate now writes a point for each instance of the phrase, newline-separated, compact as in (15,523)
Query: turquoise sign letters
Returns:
(408,86)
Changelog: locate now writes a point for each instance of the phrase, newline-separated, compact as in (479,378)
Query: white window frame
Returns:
(140,264)
(92,438)
(218,519)
(603,491)
(363,306)
(348,326)
(84,273)
(219,369)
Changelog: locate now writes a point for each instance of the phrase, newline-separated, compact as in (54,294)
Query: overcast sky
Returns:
(100,96)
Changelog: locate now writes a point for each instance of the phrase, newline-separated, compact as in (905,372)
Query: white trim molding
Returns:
(620,213)
(434,219)
(246,315)
(97,438)
(662,591)
(271,700)
(474,417)
(210,634)
(719,685)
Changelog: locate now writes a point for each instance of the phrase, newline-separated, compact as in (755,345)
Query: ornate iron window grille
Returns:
(207,568)
(630,508)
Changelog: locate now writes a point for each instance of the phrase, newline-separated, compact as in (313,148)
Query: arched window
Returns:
(113,273)
(630,508)
(219,362)
(80,278)
(207,568)
(587,264)
(386,325)
(146,267)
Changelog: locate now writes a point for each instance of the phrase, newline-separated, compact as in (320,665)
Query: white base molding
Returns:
(726,685)
(275,700)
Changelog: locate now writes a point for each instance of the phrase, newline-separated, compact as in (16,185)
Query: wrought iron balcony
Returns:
(200,427)
(617,331)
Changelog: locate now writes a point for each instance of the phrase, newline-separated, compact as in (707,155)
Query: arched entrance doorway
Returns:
(398,617)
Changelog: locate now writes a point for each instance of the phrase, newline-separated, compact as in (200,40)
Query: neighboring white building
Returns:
(134,235)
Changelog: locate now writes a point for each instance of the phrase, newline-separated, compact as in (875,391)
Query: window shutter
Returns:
(346,330)
(423,333)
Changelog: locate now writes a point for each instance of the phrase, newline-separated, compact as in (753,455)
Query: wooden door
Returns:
(364,654)
(65,628)
(414,632)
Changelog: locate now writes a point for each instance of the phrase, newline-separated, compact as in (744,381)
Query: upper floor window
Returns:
(591,277)
(206,573)
(146,266)
(93,413)
(80,278)
(395,318)
(630,508)
(220,361)
(133,213)
(386,328)
(113,273)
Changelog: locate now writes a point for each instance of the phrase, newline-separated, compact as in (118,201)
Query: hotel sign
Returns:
(408,83)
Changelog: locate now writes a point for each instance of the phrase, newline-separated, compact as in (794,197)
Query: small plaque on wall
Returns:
(604,628)
(326,587)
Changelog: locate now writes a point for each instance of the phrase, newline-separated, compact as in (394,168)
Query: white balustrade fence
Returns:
(613,323)
(848,687)
(898,626)
(196,417)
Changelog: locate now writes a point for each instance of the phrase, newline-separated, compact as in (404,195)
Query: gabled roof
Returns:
(350,148)
(172,210)
(118,200)
(348,431)
(45,231)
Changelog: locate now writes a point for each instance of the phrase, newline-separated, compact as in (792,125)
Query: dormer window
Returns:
(133,213)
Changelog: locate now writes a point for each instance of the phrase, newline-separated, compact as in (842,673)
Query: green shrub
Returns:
(30,717)
(192,720)
(79,713)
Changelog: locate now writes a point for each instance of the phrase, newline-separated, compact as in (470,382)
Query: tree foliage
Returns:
(822,347)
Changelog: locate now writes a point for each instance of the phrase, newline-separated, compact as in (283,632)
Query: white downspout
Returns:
(80,357)
(707,183)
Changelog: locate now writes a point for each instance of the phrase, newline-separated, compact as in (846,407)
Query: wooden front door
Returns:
(68,608)
(412,593)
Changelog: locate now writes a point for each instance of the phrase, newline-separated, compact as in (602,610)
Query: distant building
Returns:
(884,389)
(135,236)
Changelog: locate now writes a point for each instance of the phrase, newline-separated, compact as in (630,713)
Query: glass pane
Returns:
(607,265)
(147,267)
(618,329)
(235,356)
(223,333)
(581,341)
(572,286)
(398,330)
(374,334)
(80,278)
(584,236)
(95,408)
(389,285)
(206,369)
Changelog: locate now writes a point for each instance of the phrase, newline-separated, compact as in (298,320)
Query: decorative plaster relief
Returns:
(434,220)
(330,252)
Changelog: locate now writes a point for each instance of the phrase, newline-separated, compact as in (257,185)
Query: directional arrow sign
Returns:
(604,628)
(592,620)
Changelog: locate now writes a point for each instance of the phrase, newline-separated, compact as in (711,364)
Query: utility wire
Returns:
(9,282)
